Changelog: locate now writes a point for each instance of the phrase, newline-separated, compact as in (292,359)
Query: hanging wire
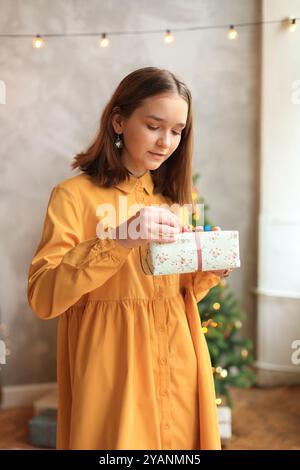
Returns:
(150,31)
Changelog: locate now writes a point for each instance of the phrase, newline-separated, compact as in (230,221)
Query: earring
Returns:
(118,142)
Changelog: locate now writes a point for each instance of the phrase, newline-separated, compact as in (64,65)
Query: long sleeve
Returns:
(203,282)
(64,267)
(199,282)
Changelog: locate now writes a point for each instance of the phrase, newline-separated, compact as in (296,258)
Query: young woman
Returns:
(133,366)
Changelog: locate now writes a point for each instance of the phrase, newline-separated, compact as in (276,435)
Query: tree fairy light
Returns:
(216,306)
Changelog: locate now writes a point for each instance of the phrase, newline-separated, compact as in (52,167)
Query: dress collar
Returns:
(145,181)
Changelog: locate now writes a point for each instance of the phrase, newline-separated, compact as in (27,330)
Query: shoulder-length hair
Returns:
(101,161)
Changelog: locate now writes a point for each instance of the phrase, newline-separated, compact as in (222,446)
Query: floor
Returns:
(261,419)
(266,419)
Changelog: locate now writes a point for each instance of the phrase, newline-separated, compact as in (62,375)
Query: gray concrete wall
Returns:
(54,100)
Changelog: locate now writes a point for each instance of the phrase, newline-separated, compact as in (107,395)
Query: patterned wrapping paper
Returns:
(192,251)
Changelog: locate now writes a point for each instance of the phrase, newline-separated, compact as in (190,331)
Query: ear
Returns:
(117,121)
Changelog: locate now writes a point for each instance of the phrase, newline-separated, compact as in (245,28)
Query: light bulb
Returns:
(293,25)
(104,42)
(216,306)
(232,32)
(168,37)
(37,42)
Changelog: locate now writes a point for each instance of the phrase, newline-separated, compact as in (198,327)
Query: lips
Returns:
(158,154)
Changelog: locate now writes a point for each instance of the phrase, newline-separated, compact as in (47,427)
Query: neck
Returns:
(138,176)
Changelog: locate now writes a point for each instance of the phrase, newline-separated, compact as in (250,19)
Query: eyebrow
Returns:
(180,124)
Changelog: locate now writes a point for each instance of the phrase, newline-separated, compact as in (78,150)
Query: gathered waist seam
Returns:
(156,297)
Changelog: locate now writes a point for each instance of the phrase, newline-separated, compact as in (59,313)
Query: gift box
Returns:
(192,251)
(224,417)
(42,429)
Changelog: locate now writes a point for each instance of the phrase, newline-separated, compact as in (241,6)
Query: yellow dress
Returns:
(133,367)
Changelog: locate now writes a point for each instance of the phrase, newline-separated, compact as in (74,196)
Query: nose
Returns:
(164,142)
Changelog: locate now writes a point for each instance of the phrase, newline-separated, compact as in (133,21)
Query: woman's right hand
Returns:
(150,223)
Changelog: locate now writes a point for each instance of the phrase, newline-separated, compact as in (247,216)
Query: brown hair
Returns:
(101,161)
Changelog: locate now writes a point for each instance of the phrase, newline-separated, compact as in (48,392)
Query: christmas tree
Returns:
(221,319)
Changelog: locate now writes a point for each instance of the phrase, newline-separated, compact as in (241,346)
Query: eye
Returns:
(155,128)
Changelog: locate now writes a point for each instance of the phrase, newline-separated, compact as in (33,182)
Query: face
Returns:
(152,133)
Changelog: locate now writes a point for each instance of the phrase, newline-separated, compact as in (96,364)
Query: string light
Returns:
(293,25)
(104,42)
(37,42)
(232,32)
(169,38)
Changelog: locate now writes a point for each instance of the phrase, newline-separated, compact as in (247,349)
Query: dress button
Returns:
(161,329)
(167,426)
(164,393)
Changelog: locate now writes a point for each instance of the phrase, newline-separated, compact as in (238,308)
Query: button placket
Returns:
(162,361)
(163,386)
(139,192)
(158,287)
(163,383)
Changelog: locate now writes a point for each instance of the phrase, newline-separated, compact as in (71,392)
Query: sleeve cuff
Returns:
(203,282)
(110,247)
